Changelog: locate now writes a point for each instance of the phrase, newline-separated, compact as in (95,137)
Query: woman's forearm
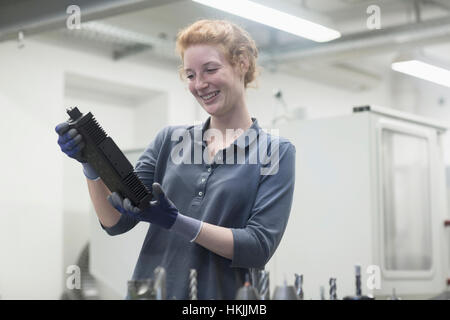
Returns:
(98,192)
(217,239)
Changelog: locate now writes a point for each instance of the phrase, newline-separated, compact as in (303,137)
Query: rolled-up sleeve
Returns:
(124,224)
(255,244)
(145,170)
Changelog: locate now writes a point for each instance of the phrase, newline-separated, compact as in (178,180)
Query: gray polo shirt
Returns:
(232,190)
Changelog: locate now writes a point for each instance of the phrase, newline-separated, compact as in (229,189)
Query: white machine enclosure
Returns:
(370,190)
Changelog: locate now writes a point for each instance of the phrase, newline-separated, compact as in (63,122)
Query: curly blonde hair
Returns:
(235,41)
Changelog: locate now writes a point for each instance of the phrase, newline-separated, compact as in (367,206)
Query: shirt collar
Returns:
(241,141)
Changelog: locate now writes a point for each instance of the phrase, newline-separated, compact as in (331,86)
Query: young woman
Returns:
(222,213)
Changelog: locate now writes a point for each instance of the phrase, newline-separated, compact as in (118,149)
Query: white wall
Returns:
(31,186)
(118,122)
(36,174)
(37,177)
(319,100)
(148,116)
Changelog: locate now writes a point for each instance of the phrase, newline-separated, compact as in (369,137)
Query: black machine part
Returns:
(108,160)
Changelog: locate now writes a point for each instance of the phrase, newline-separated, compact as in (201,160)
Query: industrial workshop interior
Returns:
(344,106)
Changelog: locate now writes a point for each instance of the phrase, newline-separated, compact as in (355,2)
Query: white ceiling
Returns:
(363,59)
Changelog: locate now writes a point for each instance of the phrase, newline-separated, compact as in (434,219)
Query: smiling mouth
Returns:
(209,96)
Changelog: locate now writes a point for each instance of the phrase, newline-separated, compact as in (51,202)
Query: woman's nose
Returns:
(200,84)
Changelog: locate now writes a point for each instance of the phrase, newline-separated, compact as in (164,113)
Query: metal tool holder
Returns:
(260,280)
(247,291)
(149,289)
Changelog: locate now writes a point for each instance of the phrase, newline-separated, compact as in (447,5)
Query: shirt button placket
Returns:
(203,180)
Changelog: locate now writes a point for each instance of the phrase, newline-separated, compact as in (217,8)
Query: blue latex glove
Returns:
(71,143)
(160,211)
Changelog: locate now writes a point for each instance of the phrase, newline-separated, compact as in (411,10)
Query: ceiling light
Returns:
(274,18)
(423,70)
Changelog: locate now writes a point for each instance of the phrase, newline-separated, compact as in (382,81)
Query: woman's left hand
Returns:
(161,211)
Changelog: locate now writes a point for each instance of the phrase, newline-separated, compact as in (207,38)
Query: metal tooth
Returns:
(299,286)
(193,284)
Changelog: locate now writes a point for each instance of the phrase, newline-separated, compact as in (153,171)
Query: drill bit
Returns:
(358,295)
(394,295)
(299,285)
(193,284)
(160,283)
(322,293)
(263,285)
(333,295)
(358,280)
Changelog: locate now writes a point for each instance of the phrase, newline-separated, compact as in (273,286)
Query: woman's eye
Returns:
(211,70)
(190,76)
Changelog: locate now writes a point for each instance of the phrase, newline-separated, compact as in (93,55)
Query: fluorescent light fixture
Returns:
(424,71)
(274,18)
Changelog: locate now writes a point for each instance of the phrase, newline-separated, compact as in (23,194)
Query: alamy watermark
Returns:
(73,281)
(374,20)
(73,21)
(374,278)
(259,150)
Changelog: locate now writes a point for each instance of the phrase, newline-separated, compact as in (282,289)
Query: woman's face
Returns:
(216,85)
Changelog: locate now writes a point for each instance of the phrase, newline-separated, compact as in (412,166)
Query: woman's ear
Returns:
(243,65)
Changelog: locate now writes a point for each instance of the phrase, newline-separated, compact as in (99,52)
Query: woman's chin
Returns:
(211,109)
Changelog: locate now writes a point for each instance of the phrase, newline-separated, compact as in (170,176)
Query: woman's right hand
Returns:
(70,141)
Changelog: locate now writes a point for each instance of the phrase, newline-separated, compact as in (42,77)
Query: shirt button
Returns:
(203,179)
(209,169)
(219,158)
(200,193)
